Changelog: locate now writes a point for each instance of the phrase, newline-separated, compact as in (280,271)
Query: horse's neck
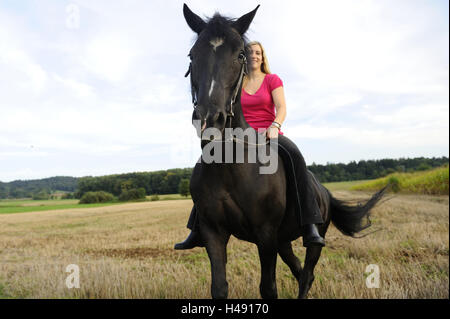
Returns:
(238,120)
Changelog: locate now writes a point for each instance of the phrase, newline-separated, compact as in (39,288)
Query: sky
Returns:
(97,87)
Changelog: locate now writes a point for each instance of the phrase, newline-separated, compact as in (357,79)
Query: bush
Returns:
(394,183)
(68,196)
(154,197)
(42,195)
(424,167)
(132,194)
(96,197)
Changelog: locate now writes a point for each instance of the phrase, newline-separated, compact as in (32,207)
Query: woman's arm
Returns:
(280,104)
(280,107)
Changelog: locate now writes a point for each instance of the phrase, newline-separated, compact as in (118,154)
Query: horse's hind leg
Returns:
(216,246)
(288,256)
(307,277)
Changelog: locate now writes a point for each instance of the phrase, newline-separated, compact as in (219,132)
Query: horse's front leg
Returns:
(267,249)
(216,246)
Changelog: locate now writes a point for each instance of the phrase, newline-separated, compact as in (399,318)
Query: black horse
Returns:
(235,198)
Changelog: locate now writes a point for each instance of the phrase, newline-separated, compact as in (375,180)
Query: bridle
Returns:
(230,114)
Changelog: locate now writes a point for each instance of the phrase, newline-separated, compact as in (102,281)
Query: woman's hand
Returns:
(272,132)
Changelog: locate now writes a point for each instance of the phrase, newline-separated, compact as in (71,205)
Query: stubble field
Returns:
(126,251)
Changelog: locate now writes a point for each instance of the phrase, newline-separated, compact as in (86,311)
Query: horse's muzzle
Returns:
(212,124)
(216,120)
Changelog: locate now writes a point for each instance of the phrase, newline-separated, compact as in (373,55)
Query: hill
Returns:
(27,188)
(431,182)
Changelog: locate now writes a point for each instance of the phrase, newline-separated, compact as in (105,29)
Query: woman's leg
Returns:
(194,239)
(192,223)
(310,213)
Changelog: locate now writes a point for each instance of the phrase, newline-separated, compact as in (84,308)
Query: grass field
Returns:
(23,206)
(430,182)
(170,197)
(343,186)
(126,251)
(28,205)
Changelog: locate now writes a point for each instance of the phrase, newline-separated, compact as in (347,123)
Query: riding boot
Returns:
(309,214)
(311,236)
(194,239)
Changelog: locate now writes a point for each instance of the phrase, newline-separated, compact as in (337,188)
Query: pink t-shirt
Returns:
(258,108)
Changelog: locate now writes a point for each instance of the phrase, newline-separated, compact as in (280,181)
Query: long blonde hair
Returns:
(265,63)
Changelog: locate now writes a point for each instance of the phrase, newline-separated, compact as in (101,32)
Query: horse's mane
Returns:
(221,26)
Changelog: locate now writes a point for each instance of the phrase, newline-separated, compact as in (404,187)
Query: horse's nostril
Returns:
(217,120)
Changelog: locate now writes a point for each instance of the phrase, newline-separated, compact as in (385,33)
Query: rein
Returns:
(238,141)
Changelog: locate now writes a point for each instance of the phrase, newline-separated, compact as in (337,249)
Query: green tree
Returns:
(42,195)
(132,194)
(96,197)
(423,167)
(126,185)
(183,187)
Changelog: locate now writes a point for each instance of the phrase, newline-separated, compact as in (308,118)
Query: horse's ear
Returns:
(194,21)
(242,24)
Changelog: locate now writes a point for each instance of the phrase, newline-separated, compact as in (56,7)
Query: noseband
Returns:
(230,114)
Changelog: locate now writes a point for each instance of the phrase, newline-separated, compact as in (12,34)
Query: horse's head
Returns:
(217,59)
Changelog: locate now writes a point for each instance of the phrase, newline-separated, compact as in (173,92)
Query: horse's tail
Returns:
(349,218)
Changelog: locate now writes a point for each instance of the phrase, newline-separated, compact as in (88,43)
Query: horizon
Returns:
(132,172)
(95,88)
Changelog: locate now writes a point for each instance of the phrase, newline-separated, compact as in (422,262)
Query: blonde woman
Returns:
(264,107)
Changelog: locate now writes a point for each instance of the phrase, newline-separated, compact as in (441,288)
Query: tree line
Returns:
(373,169)
(159,182)
(39,188)
(173,181)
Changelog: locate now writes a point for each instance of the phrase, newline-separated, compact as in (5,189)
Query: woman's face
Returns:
(255,57)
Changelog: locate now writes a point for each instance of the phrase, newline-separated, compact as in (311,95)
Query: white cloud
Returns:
(406,127)
(426,115)
(17,66)
(369,45)
(11,155)
(110,96)
(110,56)
(80,89)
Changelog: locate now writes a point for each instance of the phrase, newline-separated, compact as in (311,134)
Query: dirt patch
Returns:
(136,253)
